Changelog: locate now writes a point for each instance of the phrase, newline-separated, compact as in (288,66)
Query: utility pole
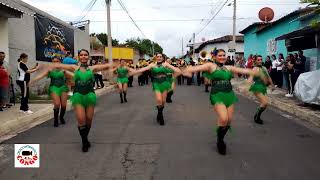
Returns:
(108,2)
(234,24)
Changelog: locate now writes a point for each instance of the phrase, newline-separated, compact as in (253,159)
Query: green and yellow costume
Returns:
(160,79)
(122,75)
(58,82)
(83,93)
(221,88)
(259,86)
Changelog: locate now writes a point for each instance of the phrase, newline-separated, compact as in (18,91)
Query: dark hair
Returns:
(83,50)
(300,51)
(1,52)
(68,53)
(269,57)
(1,63)
(219,50)
(281,55)
(22,56)
(258,56)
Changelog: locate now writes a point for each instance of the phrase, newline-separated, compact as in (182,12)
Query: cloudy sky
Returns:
(166,21)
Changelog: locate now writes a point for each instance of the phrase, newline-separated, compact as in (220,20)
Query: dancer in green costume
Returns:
(207,81)
(160,83)
(259,88)
(171,79)
(58,90)
(84,97)
(222,96)
(122,80)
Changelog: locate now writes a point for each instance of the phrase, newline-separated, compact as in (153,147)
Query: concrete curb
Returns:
(303,113)
(13,127)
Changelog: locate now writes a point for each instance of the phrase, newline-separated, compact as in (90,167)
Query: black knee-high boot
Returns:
(257,118)
(87,133)
(121,98)
(56,117)
(169,95)
(221,132)
(62,112)
(125,96)
(160,115)
(84,137)
(206,88)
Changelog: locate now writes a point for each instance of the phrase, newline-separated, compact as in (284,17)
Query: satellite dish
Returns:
(203,39)
(266,14)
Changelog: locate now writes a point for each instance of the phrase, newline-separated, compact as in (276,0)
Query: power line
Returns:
(88,9)
(179,20)
(212,18)
(125,9)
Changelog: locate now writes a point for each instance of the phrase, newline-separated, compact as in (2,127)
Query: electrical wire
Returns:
(126,10)
(88,9)
(212,18)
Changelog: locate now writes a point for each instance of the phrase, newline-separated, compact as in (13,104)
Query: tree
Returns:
(145,46)
(103,37)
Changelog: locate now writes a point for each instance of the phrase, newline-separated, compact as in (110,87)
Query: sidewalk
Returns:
(277,99)
(13,122)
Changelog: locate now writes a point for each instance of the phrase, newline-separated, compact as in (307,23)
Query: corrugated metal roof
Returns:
(11,4)
(32,11)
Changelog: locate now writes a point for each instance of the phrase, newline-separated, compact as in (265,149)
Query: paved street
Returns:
(128,144)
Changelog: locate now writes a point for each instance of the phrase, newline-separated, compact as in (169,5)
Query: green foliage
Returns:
(103,37)
(145,46)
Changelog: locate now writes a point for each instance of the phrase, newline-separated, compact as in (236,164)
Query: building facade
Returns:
(261,38)
(221,43)
(18,33)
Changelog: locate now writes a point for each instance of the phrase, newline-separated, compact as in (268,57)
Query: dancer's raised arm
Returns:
(39,77)
(101,67)
(205,67)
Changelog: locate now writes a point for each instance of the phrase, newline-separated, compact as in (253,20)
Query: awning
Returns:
(307,31)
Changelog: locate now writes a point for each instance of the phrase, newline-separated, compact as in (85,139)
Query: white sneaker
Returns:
(21,111)
(287,95)
(28,112)
(70,93)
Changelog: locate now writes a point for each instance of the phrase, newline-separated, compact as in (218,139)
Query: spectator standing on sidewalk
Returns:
(250,62)
(299,66)
(4,85)
(280,65)
(268,64)
(23,81)
(5,65)
(290,61)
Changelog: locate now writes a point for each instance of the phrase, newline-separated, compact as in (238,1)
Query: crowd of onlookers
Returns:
(283,71)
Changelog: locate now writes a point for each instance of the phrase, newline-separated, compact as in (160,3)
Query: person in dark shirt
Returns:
(289,74)
(299,67)
(268,64)
(23,81)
